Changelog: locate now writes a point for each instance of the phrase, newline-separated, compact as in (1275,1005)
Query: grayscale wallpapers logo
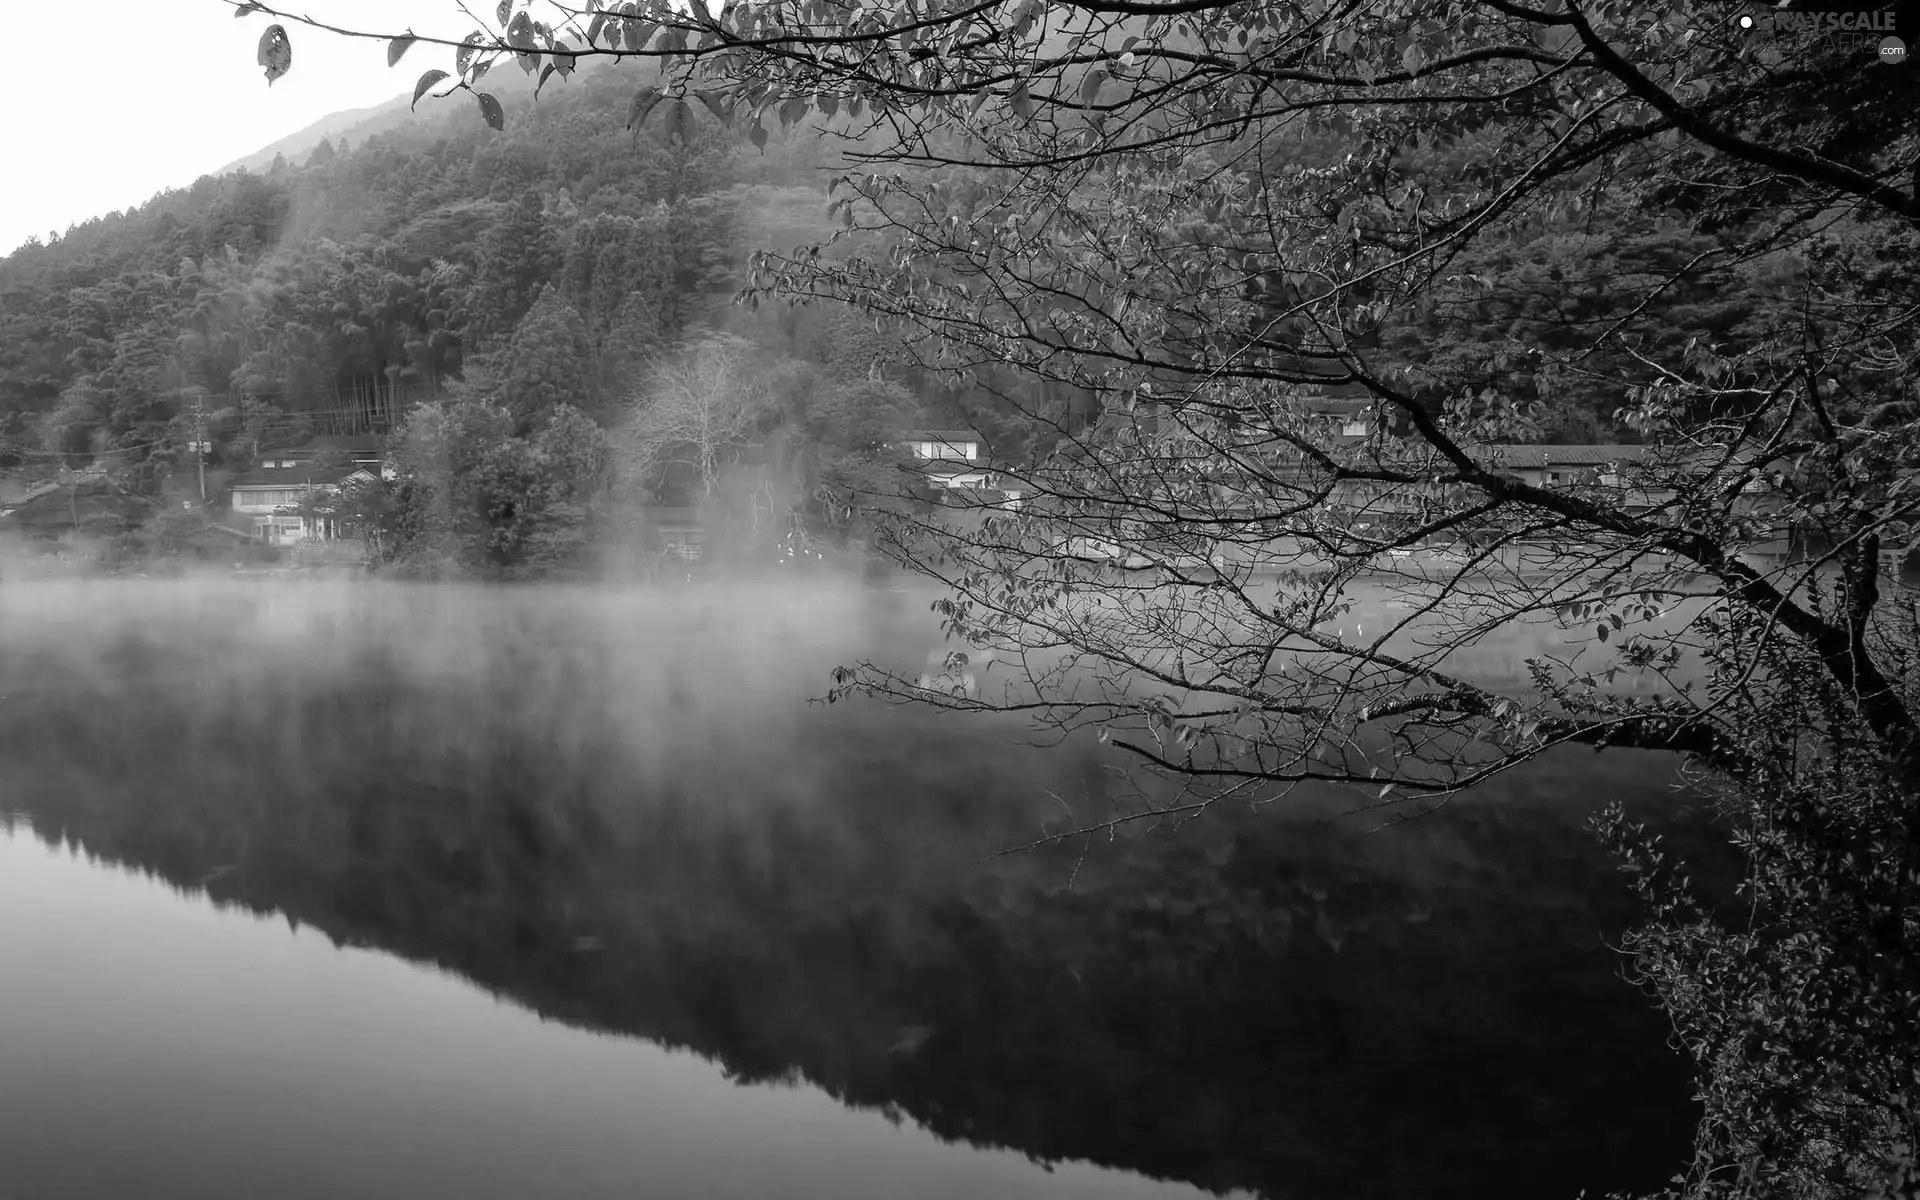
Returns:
(1842,31)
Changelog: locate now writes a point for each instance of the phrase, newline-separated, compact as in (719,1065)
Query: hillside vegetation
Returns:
(545,283)
(568,266)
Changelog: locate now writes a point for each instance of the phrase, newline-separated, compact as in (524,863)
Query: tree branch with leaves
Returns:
(1323,267)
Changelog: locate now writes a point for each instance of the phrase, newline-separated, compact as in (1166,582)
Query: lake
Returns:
(385,891)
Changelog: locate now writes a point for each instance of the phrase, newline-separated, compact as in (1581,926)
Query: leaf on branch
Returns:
(564,59)
(503,11)
(792,111)
(276,52)
(758,136)
(520,35)
(491,110)
(398,47)
(1021,101)
(643,102)
(546,73)
(1090,86)
(679,123)
(426,83)
(251,6)
(719,105)
(469,46)
(1603,631)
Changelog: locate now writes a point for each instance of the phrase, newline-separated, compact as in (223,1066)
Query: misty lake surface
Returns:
(378,891)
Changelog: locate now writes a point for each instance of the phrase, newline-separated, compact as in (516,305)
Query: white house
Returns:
(956,460)
(951,457)
(265,501)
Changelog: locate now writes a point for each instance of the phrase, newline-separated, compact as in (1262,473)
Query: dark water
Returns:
(423,893)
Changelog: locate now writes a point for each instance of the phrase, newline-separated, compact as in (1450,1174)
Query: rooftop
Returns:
(1335,406)
(23,492)
(282,477)
(351,443)
(949,436)
(1542,457)
(83,502)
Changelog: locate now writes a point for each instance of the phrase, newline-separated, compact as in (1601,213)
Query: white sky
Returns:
(82,135)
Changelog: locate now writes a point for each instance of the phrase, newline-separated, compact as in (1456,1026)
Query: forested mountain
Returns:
(564,265)
(327,288)
(546,267)
(563,262)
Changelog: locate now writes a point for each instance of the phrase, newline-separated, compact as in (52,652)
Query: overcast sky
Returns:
(156,93)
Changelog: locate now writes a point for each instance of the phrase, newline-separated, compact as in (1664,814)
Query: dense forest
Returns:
(556,293)
(562,293)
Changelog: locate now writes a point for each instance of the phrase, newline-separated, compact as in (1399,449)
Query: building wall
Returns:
(683,542)
(971,479)
(254,509)
(935,449)
(280,531)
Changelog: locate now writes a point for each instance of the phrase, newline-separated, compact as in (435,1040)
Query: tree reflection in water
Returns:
(667,846)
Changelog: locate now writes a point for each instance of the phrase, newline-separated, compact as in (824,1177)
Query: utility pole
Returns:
(200,442)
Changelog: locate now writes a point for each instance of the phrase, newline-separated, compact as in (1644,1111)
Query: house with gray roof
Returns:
(266,502)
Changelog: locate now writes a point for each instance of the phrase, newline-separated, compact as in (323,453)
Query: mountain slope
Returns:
(377,119)
(359,124)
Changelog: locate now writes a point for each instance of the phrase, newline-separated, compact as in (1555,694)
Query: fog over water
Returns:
(387,890)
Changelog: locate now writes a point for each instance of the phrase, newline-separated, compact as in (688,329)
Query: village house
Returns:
(954,463)
(15,492)
(1563,466)
(1631,478)
(1280,468)
(678,531)
(1636,478)
(87,504)
(363,451)
(950,458)
(266,502)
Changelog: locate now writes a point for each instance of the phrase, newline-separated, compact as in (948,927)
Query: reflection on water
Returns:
(619,814)
(154,1048)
